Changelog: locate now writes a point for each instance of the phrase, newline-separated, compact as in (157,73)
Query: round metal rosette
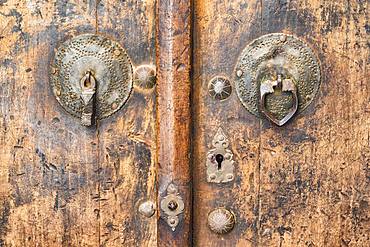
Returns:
(267,58)
(221,220)
(110,65)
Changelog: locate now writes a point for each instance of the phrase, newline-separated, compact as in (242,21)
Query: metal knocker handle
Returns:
(268,87)
(88,87)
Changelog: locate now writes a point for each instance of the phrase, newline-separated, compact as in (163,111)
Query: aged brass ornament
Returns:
(219,161)
(91,77)
(172,206)
(277,76)
(285,85)
(221,221)
(147,208)
(219,88)
(145,77)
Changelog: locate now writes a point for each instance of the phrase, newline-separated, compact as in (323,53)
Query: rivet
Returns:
(58,93)
(114,106)
(172,221)
(239,73)
(117,52)
(212,176)
(53,70)
(230,176)
(283,38)
(227,156)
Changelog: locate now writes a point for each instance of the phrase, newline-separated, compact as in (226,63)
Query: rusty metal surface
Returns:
(268,56)
(111,67)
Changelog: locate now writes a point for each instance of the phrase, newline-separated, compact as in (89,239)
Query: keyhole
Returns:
(87,83)
(219,159)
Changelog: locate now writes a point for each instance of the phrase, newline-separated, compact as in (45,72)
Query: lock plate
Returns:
(109,63)
(271,56)
(219,160)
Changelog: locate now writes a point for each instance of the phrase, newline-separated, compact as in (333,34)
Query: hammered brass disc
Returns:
(221,221)
(110,65)
(266,58)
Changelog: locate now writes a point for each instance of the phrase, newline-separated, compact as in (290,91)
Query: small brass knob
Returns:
(221,221)
(147,209)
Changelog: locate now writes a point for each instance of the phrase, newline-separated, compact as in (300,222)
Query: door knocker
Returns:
(91,77)
(277,76)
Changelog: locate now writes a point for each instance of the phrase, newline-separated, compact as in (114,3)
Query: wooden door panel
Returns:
(126,140)
(217,43)
(63,184)
(303,184)
(314,173)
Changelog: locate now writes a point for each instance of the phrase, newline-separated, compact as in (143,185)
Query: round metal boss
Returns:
(221,220)
(271,56)
(219,88)
(108,62)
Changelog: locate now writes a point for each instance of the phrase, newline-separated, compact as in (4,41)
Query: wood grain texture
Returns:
(48,160)
(304,184)
(315,170)
(173,113)
(217,43)
(127,139)
(62,184)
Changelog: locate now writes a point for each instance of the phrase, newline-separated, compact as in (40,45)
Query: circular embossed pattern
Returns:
(221,221)
(145,77)
(219,88)
(110,65)
(265,58)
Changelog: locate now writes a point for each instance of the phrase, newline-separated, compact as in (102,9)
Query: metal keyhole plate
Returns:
(108,62)
(271,56)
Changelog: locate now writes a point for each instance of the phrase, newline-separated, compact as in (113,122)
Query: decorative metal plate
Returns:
(172,206)
(219,162)
(272,55)
(110,65)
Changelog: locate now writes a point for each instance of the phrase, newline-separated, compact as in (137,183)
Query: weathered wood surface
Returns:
(62,184)
(304,184)
(173,113)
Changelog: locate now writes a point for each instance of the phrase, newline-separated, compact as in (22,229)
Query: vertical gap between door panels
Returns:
(98,142)
(259,202)
(192,123)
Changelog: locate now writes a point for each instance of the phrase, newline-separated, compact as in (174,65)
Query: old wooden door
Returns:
(305,183)
(185,162)
(61,183)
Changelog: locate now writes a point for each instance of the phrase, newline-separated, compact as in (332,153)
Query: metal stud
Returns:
(145,77)
(221,221)
(147,209)
(219,88)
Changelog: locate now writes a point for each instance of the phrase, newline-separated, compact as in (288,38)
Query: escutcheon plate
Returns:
(111,67)
(272,55)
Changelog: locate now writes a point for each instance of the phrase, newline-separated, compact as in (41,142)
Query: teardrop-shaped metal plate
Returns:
(272,55)
(111,67)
